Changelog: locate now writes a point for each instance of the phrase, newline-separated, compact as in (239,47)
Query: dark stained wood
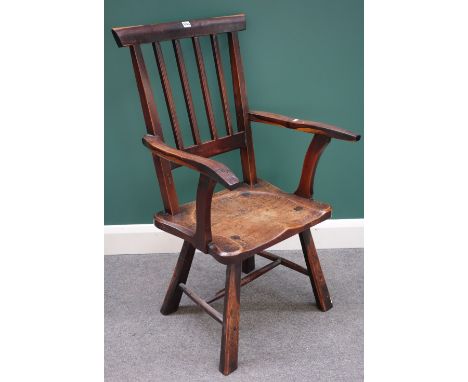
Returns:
(141,34)
(187,93)
(287,263)
(166,185)
(219,146)
(150,113)
(247,220)
(181,271)
(232,225)
(203,212)
(302,125)
(153,126)
(248,265)
(240,98)
(247,279)
(317,279)
(315,150)
(259,272)
(221,82)
(209,167)
(168,95)
(201,303)
(230,334)
(204,87)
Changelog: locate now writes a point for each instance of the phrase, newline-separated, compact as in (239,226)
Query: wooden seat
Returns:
(243,220)
(251,215)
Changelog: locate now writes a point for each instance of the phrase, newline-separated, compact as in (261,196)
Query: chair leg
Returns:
(230,336)
(319,286)
(248,265)
(181,271)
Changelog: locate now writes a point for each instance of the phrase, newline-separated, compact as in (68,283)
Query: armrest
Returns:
(209,167)
(302,125)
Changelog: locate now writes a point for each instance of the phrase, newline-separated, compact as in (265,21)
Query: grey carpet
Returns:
(283,336)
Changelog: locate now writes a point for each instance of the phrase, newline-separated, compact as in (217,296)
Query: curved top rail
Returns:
(141,34)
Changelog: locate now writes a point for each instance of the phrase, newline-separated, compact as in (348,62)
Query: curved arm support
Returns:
(315,150)
(205,191)
(210,171)
(209,167)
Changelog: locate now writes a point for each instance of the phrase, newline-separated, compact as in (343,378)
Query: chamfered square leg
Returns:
(230,334)
(319,286)
(248,265)
(181,271)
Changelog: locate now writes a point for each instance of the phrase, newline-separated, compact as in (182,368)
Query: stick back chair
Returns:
(232,225)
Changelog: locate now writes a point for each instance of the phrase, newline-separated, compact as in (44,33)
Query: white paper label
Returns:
(186,24)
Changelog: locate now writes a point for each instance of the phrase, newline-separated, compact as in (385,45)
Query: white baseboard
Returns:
(146,238)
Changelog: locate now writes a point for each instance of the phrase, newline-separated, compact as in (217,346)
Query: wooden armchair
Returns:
(251,215)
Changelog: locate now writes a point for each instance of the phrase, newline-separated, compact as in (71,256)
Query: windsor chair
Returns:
(232,225)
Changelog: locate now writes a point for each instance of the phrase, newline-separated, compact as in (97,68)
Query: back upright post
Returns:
(242,109)
(153,126)
(243,123)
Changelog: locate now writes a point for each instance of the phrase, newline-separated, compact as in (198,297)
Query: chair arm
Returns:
(302,125)
(209,167)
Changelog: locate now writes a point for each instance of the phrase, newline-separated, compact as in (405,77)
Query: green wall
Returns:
(302,58)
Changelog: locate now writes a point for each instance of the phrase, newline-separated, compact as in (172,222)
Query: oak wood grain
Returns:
(247,220)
